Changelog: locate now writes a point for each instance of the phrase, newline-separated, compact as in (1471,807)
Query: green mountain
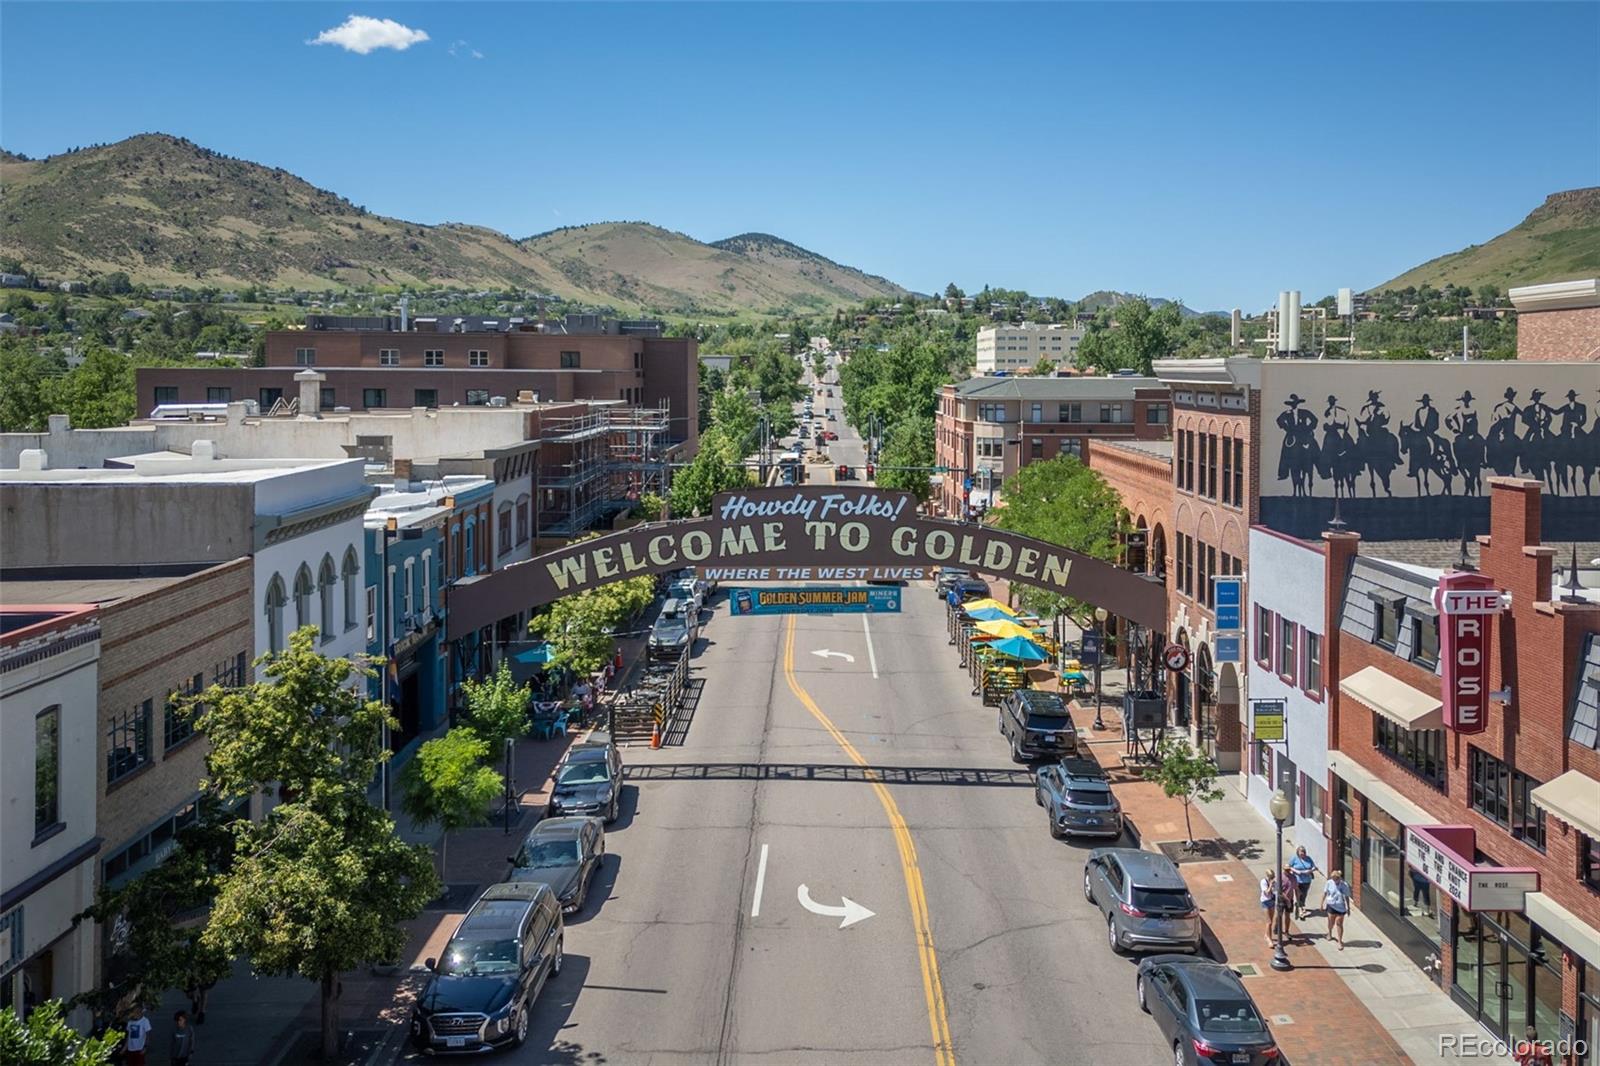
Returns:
(169,212)
(1560,240)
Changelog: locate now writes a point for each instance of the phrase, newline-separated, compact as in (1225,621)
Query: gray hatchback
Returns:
(1144,898)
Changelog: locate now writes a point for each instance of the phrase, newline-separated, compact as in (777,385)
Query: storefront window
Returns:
(1589,1014)
(1385,856)
(1469,958)
(1509,974)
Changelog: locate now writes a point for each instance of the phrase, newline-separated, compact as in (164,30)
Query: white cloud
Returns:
(458,49)
(360,34)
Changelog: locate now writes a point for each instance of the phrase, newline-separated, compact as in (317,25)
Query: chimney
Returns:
(310,382)
(1512,554)
(1339,549)
(204,450)
(60,424)
(34,458)
(402,473)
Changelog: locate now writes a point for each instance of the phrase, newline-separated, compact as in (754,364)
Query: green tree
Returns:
(1044,367)
(1141,335)
(907,444)
(158,950)
(717,467)
(497,707)
(322,883)
(578,630)
(1185,774)
(1406,352)
(1063,502)
(24,390)
(98,392)
(448,784)
(46,1039)
(651,507)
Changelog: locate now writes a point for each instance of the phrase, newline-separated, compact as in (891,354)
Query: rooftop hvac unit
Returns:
(497,401)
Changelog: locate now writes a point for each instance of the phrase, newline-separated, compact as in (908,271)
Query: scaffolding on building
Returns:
(604,461)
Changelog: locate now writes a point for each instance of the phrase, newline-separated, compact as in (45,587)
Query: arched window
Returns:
(302,596)
(326,579)
(352,584)
(470,567)
(276,598)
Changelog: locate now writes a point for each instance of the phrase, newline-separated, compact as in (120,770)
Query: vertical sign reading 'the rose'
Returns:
(1467,604)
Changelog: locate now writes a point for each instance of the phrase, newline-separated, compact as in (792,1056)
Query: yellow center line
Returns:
(933,989)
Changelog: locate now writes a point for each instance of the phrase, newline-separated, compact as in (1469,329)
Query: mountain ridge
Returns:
(168,211)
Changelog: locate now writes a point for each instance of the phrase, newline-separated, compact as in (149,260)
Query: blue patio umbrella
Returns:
(539,653)
(1020,648)
(990,614)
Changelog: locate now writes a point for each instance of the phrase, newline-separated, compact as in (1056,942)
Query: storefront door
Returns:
(1507,975)
(1206,701)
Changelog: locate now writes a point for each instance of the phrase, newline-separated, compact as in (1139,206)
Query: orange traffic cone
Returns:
(655,735)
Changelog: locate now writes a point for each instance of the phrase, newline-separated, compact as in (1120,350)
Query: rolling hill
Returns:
(1558,241)
(170,212)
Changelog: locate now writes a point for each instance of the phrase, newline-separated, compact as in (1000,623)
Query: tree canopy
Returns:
(908,444)
(1063,502)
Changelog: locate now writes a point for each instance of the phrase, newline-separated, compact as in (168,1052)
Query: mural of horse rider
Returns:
(1538,445)
(1379,449)
(1503,448)
(1469,445)
(1341,459)
(1298,459)
(1570,442)
(1426,450)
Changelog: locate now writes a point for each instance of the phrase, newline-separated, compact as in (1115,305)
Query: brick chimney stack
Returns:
(1339,551)
(1512,552)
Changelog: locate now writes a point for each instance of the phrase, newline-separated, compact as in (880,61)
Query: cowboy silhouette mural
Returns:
(1443,453)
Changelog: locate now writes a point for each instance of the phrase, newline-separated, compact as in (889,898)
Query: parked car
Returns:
(491,972)
(564,853)
(687,589)
(832,416)
(1203,1010)
(671,634)
(946,577)
(1037,724)
(1079,800)
(1144,898)
(829,434)
(588,781)
(970,588)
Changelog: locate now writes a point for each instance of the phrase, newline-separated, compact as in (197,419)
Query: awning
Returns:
(1394,699)
(1369,785)
(1574,797)
(1562,924)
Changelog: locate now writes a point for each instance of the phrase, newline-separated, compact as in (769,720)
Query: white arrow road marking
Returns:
(852,912)
(826,654)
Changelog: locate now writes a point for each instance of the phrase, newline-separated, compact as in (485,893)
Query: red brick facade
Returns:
(1561,335)
(1535,653)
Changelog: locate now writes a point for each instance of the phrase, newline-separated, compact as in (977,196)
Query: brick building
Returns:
(1477,853)
(370,365)
(1141,473)
(1560,321)
(989,428)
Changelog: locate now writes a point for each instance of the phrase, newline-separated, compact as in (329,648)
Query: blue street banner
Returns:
(1089,649)
(816,599)
(1229,593)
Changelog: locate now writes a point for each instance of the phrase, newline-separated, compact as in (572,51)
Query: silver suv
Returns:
(1079,800)
(1144,898)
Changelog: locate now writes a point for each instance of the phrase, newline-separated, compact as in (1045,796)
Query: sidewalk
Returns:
(273,1021)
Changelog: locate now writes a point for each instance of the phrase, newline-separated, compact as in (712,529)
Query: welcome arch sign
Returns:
(806,532)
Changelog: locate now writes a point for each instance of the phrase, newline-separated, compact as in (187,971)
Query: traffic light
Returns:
(870,469)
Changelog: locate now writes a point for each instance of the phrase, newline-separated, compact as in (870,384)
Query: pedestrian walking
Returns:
(1269,904)
(1286,896)
(136,1036)
(1305,868)
(1336,904)
(1530,1051)
(182,1046)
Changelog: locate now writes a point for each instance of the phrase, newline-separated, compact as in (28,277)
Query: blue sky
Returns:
(1213,153)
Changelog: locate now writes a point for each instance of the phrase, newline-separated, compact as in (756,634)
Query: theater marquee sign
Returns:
(797,533)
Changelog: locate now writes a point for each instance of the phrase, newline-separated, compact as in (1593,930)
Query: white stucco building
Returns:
(1020,347)
(1285,649)
(49,687)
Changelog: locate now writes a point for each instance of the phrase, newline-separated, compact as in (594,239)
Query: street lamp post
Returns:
(1279,809)
(1100,616)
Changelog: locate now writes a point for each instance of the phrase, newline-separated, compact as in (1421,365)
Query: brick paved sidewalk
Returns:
(1314,1015)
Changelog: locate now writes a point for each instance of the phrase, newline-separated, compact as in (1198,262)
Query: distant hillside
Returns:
(1108,298)
(1558,241)
(170,212)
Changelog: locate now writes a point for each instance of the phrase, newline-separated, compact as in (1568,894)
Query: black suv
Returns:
(1038,725)
(969,588)
(491,972)
(588,781)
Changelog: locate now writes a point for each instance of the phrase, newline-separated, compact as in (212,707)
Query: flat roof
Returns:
(81,589)
(1080,387)
(1161,449)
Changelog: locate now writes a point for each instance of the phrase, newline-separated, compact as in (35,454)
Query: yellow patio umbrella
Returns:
(991,603)
(1002,628)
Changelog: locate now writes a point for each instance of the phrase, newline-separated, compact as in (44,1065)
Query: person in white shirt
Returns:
(136,1032)
(1269,901)
(1336,902)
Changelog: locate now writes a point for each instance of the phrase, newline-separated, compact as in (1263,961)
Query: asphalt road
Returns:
(868,774)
